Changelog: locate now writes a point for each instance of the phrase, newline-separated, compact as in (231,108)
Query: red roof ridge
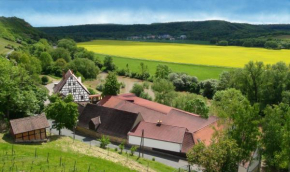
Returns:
(166,125)
(28,117)
(190,113)
(207,124)
(138,104)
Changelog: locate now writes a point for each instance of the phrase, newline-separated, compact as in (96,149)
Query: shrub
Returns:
(137,89)
(146,85)
(105,140)
(100,87)
(121,72)
(223,43)
(153,159)
(116,149)
(248,44)
(145,96)
(92,91)
(123,85)
(44,80)
(133,150)
(272,45)
(122,146)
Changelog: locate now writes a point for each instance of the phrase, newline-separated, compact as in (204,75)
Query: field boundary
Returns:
(190,64)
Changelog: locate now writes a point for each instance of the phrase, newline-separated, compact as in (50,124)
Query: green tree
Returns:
(105,141)
(209,87)
(111,86)
(276,136)
(197,106)
(144,71)
(64,112)
(164,91)
(60,53)
(108,64)
(137,89)
(272,45)
(122,146)
(19,94)
(46,60)
(162,71)
(223,43)
(239,119)
(222,155)
(68,44)
(44,80)
(60,63)
(86,67)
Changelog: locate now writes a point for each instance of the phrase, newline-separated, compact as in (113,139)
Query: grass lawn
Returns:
(200,71)
(211,55)
(61,153)
(3,43)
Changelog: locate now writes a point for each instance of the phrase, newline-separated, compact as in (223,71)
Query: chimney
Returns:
(159,122)
(63,74)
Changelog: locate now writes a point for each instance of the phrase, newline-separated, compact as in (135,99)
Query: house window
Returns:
(69,84)
(74,90)
(69,90)
(74,83)
(82,97)
(71,77)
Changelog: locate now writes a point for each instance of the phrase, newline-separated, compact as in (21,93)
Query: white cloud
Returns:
(143,17)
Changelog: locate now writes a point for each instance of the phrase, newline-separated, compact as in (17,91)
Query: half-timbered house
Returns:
(70,84)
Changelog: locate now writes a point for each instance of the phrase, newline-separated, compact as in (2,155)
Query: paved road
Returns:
(160,157)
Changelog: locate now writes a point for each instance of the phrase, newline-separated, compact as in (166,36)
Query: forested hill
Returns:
(13,28)
(200,30)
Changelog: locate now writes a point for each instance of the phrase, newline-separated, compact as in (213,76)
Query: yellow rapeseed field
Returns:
(229,56)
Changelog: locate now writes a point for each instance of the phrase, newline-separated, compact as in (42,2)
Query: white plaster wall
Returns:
(175,147)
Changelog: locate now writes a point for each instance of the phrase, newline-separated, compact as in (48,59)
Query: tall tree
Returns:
(164,91)
(239,118)
(85,66)
(276,136)
(19,94)
(108,63)
(197,106)
(64,112)
(222,155)
(111,86)
(162,71)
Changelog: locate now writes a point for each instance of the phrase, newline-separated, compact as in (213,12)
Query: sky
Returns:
(75,12)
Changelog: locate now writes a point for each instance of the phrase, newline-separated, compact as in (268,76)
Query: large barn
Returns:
(159,126)
(70,84)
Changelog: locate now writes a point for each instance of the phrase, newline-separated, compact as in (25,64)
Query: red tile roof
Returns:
(22,125)
(59,86)
(188,142)
(163,132)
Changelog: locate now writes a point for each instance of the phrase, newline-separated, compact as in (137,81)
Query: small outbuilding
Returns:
(29,129)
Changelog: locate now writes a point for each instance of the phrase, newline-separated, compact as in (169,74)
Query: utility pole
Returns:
(141,144)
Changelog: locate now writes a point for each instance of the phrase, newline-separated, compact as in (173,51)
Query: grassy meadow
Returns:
(61,154)
(200,71)
(210,55)
(3,43)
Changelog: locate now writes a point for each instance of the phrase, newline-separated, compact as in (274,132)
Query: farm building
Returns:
(70,84)
(29,129)
(163,127)
(96,120)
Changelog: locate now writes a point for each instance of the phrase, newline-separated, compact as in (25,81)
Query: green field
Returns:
(211,55)
(200,71)
(3,43)
(62,154)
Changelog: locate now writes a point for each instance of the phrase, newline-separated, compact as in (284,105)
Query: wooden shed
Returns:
(29,129)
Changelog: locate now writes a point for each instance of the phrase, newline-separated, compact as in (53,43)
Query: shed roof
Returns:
(22,125)
(114,122)
(163,132)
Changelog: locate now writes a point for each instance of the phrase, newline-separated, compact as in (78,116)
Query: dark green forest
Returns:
(194,30)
